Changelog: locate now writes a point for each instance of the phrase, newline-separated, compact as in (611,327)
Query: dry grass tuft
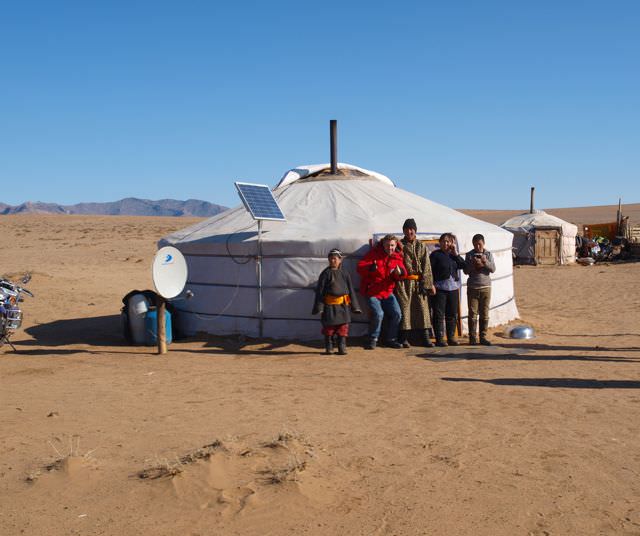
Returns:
(56,465)
(288,473)
(283,439)
(165,468)
(203,453)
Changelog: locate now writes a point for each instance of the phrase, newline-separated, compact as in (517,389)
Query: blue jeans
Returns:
(387,309)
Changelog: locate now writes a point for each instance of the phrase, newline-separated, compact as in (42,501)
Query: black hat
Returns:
(409,223)
(335,251)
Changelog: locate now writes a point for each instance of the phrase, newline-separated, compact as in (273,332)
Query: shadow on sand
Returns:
(569,347)
(95,331)
(511,352)
(240,345)
(567,383)
(106,331)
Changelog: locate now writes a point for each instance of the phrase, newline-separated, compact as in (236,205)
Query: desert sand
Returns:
(224,436)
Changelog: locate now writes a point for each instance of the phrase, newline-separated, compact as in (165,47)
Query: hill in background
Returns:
(130,206)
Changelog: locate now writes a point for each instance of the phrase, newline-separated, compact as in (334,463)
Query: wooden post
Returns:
(161,310)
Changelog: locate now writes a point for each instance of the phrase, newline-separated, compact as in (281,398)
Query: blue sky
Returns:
(466,103)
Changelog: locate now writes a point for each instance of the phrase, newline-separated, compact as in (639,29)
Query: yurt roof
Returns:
(325,213)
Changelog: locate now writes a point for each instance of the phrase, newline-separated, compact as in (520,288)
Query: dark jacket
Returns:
(334,283)
(445,265)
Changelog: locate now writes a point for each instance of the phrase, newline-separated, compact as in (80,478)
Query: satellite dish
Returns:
(169,272)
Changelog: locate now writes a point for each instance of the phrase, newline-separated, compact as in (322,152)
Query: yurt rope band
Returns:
(282,287)
(215,315)
(248,256)
(494,307)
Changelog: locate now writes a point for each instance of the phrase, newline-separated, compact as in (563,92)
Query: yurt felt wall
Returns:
(322,213)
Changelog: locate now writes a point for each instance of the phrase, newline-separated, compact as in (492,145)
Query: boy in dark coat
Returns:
(445,264)
(335,299)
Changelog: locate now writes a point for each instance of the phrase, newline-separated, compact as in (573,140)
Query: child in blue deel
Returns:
(335,299)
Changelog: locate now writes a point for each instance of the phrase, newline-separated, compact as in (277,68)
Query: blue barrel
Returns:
(151,327)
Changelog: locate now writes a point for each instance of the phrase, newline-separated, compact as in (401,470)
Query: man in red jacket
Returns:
(379,271)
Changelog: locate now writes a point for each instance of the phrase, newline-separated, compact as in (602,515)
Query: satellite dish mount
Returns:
(169,272)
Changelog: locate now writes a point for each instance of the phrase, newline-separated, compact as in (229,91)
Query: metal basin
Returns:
(521,331)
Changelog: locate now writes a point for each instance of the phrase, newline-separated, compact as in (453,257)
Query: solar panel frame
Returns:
(259,201)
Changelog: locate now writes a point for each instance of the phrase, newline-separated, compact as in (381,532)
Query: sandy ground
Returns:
(536,438)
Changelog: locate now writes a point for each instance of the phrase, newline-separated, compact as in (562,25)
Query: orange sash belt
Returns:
(337,300)
(412,277)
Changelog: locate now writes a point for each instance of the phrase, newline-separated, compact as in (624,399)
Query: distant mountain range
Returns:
(130,206)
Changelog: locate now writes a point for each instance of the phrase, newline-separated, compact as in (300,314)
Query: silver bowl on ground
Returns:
(521,331)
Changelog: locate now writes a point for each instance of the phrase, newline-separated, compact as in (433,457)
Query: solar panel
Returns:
(259,201)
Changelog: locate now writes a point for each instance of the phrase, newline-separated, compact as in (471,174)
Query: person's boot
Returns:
(484,325)
(439,329)
(404,338)
(451,331)
(328,344)
(473,337)
(342,345)
(371,344)
(426,339)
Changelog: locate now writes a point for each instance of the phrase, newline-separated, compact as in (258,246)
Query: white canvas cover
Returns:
(524,227)
(322,213)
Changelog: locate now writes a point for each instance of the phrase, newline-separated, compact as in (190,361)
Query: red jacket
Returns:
(376,277)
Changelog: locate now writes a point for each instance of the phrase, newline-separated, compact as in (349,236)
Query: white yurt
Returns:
(323,211)
(540,238)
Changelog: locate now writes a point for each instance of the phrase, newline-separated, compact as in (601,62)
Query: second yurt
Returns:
(542,239)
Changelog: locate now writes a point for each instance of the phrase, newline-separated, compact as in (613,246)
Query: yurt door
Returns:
(547,247)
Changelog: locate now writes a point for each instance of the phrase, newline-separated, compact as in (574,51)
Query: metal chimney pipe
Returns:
(619,215)
(533,189)
(333,132)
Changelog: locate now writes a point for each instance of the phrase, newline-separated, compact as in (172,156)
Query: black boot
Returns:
(371,344)
(452,325)
(484,325)
(342,346)
(426,339)
(438,327)
(473,334)
(404,338)
(328,344)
